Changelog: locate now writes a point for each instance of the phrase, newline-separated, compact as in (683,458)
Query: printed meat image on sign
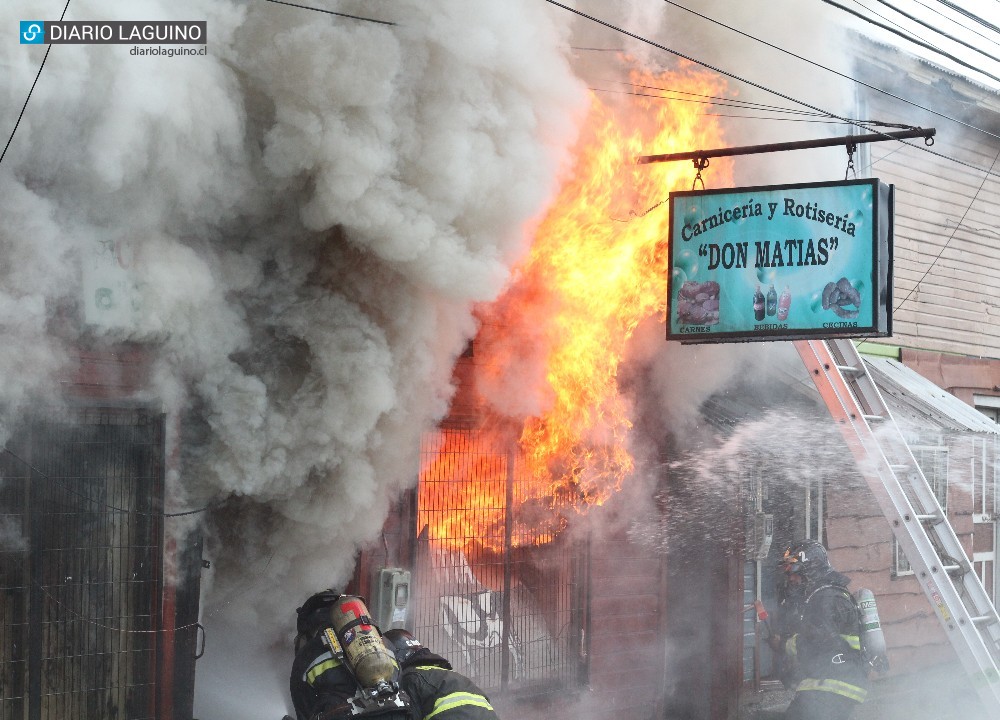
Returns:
(837,296)
(698,303)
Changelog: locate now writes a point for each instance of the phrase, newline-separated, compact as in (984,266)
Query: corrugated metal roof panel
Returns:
(926,398)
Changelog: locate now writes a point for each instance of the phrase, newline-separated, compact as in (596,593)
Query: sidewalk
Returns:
(941,693)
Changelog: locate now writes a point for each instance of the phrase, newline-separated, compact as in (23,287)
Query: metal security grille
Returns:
(80,567)
(498,591)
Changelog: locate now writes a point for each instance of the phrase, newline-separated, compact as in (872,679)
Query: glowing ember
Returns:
(596,269)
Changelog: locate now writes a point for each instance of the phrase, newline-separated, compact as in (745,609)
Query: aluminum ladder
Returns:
(920,526)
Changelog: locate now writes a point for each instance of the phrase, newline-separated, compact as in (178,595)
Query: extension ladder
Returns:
(920,526)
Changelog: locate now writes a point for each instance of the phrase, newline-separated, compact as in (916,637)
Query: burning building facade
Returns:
(724,513)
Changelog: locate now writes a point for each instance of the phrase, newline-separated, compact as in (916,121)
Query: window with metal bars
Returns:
(80,567)
(498,590)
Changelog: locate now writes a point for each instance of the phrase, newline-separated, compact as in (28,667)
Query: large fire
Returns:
(596,269)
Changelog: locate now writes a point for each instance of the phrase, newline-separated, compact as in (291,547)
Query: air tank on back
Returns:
(873,647)
(372,662)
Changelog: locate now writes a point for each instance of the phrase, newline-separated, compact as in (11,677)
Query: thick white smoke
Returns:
(308,213)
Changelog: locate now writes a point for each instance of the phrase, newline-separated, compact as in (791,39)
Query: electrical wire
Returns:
(950,237)
(759,86)
(817,118)
(862,83)
(971,16)
(710,101)
(24,107)
(883,17)
(938,31)
(921,43)
(745,104)
(953,21)
(732,102)
(331,12)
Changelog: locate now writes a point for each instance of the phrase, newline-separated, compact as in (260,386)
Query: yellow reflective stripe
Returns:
(455,700)
(319,668)
(838,687)
(853,640)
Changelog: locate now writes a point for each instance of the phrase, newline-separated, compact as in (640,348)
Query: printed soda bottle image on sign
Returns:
(758,305)
(784,304)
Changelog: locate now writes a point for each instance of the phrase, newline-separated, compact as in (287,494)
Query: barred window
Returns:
(498,591)
(933,462)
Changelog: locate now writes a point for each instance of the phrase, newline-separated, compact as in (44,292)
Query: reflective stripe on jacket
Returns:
(837,687)
(444,694)
(457,699)
(320,665)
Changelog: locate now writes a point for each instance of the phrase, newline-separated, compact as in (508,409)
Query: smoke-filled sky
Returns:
(300,223)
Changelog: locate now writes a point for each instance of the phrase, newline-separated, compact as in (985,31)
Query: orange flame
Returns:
(596,269)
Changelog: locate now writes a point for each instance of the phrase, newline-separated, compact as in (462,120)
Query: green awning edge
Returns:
(877,349)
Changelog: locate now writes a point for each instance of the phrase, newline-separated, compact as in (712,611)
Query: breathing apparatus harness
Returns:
(384,697)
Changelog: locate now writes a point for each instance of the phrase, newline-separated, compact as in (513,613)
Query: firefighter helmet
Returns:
(314,614)
(408,649)
(807,558)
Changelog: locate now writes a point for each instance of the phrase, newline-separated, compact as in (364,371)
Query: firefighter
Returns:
(435,689)
(818,644)
(320,682)
(343,667)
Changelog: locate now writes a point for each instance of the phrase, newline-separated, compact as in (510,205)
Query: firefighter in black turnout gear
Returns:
(818,643)
(323,685)
(436,690)
(320,682)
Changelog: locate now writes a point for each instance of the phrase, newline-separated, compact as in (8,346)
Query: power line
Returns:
(950,237)
(766,89)
(939,32)
(955,22)
(879,15)
(810,117)
(971,16)
(696,61)
(331,12)
(830,70)
(708,100)
(24,107)
(921,43)
(729,102)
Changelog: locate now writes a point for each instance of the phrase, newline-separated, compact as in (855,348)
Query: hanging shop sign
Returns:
(785,262)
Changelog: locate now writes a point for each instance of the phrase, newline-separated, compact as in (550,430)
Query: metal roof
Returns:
(925,399)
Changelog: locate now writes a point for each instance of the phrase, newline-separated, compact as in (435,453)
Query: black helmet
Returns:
(314,614)
(807,558)
(408,649)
